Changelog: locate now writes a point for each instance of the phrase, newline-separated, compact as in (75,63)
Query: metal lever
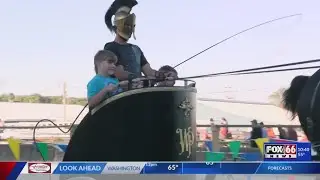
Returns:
(130,78)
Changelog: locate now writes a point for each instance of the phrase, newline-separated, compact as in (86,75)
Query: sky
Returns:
(46,43)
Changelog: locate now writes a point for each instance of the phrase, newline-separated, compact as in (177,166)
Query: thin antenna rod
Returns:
(243,31)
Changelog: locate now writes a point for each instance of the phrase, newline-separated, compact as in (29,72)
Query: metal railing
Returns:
(246,126)
(66,125)
(215,128)
(218,145)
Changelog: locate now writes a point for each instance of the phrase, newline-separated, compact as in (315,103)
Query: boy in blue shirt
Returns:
(103,84)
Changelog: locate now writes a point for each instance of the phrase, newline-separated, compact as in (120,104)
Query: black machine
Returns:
(147,124)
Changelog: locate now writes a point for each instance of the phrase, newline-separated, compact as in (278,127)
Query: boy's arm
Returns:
(96,95)
(124,84)
(96,99)
(136,83)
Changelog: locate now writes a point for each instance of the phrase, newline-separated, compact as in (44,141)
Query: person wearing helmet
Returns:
(131,59)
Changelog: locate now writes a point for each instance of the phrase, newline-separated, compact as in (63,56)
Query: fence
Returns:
(216,129)
(42,132)
(58,137)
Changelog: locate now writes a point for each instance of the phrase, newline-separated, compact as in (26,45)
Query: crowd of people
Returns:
(258,130)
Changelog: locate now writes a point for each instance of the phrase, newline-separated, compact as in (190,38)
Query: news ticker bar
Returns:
(162,168)
(196,168)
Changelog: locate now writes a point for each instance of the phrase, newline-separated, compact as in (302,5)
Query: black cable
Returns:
(277,70)
(236,91)
(253,27)
(65,132)
(251,69)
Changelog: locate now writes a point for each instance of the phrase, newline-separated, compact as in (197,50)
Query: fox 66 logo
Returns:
(280,151)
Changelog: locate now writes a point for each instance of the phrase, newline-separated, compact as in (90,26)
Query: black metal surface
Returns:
(139,127)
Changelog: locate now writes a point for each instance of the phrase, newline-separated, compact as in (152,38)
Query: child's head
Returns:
(104,62)
(168,69)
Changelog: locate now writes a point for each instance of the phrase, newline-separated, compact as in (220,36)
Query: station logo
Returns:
(280,151)
(39,168)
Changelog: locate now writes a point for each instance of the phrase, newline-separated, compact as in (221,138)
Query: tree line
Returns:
(37,98)
(274,98)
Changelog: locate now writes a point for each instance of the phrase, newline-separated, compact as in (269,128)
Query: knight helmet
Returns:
(124,21)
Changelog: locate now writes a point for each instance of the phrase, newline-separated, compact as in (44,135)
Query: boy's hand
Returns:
(138,79)
(123,83)
(137,84)
(160,75)
(111,87)
(171,76)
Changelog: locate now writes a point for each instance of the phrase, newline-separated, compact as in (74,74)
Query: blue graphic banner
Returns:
(287,151)
(162,168)
(252,168)
(186,168)
(79,168)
